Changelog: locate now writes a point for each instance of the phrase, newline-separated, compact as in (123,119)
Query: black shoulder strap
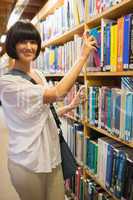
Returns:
(18,72)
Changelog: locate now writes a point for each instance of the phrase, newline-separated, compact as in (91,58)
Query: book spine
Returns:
(109,168)
(126,43)
(131,45)
(120,23)
(114,47)
(120,174)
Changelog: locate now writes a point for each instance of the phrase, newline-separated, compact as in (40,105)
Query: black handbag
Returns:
(68,163)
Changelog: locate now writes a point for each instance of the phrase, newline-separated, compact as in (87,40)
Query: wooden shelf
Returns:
(53,74)
(61,74)
(93,74)
(104,132)
(48,9)
(124,73)
(65,37)
(94,177)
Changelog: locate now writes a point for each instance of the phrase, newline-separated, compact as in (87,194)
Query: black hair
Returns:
(20,31)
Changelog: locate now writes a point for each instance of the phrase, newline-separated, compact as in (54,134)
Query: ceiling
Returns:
(6,7)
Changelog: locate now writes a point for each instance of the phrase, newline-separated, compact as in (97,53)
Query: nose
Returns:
(28,45)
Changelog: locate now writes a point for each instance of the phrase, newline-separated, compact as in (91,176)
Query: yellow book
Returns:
(86,10)
(80,6)
(75,12)
(113,53)
(51,59)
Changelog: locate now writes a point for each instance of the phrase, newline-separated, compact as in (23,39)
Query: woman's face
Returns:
(26,50)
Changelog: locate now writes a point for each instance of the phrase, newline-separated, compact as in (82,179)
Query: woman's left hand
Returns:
(79,98)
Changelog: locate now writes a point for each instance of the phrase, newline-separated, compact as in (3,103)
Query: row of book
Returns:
(61,58)
(94,7)
(73,134)
(111,162)
(72,13)
(112,109)
(64,18)
(117,44)
(114,166)
(91,191)
(114,51)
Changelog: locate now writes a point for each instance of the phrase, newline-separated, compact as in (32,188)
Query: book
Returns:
(105,43)
(127,192)
(127,40)
(113,53)
(120,36)
(93,62)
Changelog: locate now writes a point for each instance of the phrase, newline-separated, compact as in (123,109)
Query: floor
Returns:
(7,192)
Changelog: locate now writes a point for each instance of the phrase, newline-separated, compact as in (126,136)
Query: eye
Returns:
(33,42)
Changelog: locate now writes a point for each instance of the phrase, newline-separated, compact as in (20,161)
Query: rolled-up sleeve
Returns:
(25,97)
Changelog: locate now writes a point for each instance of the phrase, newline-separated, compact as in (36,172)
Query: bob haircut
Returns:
(20,31)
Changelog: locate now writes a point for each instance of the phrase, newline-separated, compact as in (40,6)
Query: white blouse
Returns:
(33,135)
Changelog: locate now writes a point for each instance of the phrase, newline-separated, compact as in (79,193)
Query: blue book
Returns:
(127,40)
(127,192)
(110,162)
(108,46)
(109,166)
(128,118)
(127,83)
(91,155)
(87,151)
(120,173)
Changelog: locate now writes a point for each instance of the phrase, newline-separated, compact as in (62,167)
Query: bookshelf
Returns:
(89,78)
(124,7)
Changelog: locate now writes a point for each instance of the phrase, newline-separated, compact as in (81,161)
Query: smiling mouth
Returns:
(28,54)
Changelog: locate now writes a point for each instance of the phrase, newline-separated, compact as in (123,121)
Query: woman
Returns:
(34,153)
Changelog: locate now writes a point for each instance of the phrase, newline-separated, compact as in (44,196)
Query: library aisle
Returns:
(6,190)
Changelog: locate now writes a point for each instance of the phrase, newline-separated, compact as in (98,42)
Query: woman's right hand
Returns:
(89,44)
